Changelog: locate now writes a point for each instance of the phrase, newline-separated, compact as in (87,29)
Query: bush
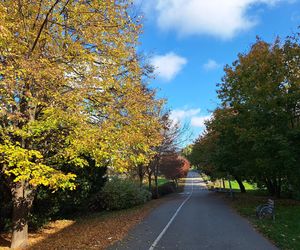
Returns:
(5,205)
(65,204)
(164,189)
(120,194)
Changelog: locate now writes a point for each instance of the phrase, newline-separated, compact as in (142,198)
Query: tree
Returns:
(174,167)
(253,133)
(171,139)
(67,71)
(202,154)
(143,132)
(259,101)
(257,87)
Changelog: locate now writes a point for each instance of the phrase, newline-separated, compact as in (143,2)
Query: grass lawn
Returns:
(234,185)
(285,230)
(162,180)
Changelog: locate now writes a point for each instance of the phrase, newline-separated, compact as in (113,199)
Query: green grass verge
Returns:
(162,180)
(234,185)
(284,231)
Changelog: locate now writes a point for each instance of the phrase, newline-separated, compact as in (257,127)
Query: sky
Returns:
(190,41)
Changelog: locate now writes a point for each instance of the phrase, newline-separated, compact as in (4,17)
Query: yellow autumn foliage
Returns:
(71,85)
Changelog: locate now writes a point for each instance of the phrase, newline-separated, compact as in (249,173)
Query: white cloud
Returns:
(192,116)
(211,65)
(168,66)
(178,115)
(220,18)
(198,121)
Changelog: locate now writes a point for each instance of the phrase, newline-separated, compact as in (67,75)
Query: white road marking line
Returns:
(154,244)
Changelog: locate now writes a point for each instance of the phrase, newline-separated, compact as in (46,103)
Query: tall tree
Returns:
(252,89)
(253,134)
(171,134)
(67,74)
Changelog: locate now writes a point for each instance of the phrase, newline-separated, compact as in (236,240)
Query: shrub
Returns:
(5,205)
(120,194)
(164,189)
(64,204)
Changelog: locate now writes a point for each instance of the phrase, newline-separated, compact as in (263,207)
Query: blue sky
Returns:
(189,42)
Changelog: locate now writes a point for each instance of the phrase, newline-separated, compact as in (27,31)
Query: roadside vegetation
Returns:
(252,138)
(234,185)
(93,231)
(162,180)
(224,184)
(285,230)
(254,134)
(80,131)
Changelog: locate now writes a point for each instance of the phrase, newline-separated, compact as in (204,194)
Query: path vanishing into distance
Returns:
(195,219)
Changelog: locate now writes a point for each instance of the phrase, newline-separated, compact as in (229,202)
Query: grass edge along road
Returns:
(284,232)
(219,183)
(234,185)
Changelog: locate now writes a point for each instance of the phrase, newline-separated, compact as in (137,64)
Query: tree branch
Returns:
(42,26)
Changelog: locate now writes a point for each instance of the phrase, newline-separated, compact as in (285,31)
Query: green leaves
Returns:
(250,135)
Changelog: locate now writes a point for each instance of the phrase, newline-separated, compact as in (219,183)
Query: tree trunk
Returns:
(223,182)
(270,187)
(278,188)
(150,181)
(156,182)
(141,181)
(141,174)
(241,185)
(22,202)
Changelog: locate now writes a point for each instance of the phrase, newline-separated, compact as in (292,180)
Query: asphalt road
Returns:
(195,219)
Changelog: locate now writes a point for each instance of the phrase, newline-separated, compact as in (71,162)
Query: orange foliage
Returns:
(174,166)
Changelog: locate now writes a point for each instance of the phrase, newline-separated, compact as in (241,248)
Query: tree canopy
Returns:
(71,87)
(254,133)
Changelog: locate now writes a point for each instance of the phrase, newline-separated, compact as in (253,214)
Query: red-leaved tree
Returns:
(174,167)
